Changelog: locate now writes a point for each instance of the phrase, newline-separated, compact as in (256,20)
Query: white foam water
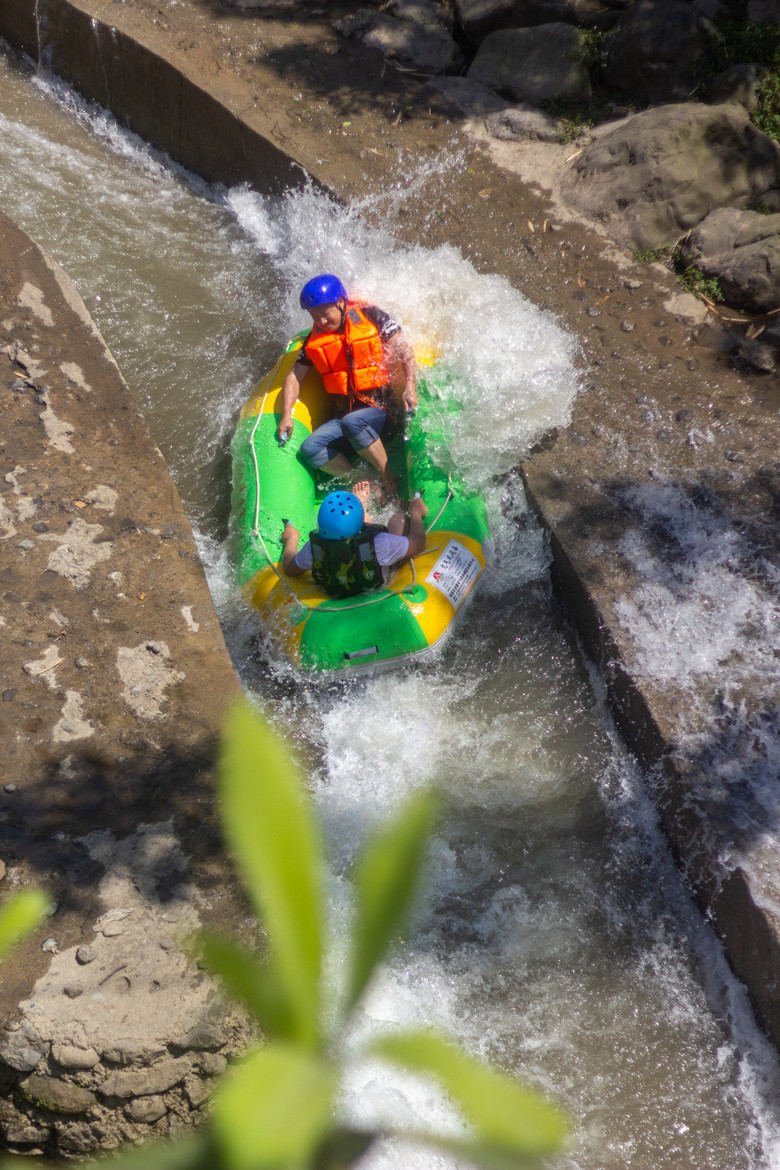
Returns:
(556,937)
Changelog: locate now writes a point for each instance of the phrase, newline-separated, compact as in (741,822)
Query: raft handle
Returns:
(349,654)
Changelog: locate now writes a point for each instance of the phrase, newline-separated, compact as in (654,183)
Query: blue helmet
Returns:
(340,516)
(322,290)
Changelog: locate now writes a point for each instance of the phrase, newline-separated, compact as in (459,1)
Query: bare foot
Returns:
(362,489)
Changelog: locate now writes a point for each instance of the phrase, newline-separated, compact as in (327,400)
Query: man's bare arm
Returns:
(401,352)
(290,537)
(290,393)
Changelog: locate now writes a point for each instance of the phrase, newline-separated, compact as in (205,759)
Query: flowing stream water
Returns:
(557,937)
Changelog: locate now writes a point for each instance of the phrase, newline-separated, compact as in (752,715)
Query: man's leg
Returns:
(337,466)
(363,429)
(326,449)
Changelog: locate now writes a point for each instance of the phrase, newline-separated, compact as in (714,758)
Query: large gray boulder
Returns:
(501,119)
(653,176)
(477,18)
(654,49)
(469,97)
(522,124)
(534,65)
(737,85)
(412,38)
(741,249)
(426,12)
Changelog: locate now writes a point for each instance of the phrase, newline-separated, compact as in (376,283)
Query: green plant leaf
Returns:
(274,1108)
(387,881)
(508,1120)
(486,1155)
(248,980)
(271,830)
(20,915)
(15,1164)
(342,1149)
(185,1153)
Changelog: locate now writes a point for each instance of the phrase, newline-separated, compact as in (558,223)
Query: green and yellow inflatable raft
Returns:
(413,614)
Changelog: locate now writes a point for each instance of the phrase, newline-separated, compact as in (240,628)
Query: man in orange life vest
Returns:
(361,355)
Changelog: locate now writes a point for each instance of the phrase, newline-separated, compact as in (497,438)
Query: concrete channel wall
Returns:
(206,128)
(620,443)
(115,681)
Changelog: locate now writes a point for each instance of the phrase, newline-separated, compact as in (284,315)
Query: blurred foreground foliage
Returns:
(275,1108)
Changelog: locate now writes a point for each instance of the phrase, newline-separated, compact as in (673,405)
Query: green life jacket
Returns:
(344,568)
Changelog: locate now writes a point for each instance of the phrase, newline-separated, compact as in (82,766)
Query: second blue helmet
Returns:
(325,289)
(340,516)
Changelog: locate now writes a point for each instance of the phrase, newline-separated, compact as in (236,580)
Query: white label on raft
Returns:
(454,573)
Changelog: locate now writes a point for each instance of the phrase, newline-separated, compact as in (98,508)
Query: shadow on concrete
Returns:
(44,823)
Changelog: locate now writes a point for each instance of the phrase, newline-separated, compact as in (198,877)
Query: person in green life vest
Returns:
(348,553)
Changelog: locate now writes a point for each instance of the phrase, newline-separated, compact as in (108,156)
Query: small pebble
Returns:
(72,991)
(50,946)
(10,787)
(2,870)
(84,954)
(627,326)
